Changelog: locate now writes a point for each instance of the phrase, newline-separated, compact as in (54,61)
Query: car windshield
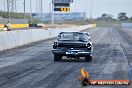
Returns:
(73,36)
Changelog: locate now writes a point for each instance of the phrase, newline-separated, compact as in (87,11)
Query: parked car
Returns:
(40,25)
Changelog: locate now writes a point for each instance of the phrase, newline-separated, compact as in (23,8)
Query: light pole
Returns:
(75,10)
(4,5)
(8,8)
(30,11)
(52,13)
(24,9)
(41,6)
(84,9)
(36,6)
(91,8)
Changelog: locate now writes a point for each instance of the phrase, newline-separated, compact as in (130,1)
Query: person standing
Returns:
(8,26)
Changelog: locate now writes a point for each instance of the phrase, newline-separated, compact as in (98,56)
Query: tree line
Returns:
(122,16)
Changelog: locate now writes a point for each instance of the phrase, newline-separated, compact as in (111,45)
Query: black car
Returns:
(73,45)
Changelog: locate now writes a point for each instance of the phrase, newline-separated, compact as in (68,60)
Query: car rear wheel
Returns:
(88,58)
(57,57)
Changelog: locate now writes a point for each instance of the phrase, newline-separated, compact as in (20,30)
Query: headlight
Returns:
(55,45)
(88,45)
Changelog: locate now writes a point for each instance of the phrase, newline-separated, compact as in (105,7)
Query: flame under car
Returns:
(73,45)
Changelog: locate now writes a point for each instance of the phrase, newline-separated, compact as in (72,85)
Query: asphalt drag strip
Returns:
(34,67)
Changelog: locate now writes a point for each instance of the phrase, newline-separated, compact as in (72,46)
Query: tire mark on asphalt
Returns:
(22,69)
(54,79)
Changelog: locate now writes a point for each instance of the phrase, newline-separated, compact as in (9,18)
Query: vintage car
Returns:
(73,45)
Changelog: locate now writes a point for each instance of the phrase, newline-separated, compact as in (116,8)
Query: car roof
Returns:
(71,32)
(75,32)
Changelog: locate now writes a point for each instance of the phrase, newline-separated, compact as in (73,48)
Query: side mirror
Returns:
(58,36)
(88,34)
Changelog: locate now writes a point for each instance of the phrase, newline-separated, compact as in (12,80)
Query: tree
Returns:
(110,17)
(122,16)
(104,16)
(130,18)
(107,17)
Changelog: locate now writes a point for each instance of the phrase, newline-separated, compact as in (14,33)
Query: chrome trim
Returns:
(56,49)
(84,52)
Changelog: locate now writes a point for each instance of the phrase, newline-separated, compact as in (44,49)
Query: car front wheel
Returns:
(88,58)
(57,57)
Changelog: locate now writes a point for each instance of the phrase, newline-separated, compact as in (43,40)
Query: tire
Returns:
(57,57)
(88,58)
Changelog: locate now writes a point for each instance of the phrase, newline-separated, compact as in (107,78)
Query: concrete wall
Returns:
(12,39)
(127,25)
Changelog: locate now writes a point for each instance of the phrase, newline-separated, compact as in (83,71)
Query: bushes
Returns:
(19,16)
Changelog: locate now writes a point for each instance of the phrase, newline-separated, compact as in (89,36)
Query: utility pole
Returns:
(91,6)
(8,8)
(4,5)
(41,6)
(52,12)
(30,11)
(75,8)
(36,6)
(84,9)
(92,10)
(13,5)
(24,8)
(85,13)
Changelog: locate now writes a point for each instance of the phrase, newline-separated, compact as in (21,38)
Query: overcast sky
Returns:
(98,7)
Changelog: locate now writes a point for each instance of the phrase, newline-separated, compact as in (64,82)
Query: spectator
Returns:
(5,28)
(8,26)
